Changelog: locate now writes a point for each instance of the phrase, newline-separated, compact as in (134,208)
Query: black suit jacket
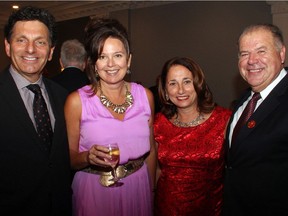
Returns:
(256,178)
(71,78)
(32,182)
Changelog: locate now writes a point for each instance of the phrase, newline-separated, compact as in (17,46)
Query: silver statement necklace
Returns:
(118,108)
(192,123)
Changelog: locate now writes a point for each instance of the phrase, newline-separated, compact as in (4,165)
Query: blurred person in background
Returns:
(73,62)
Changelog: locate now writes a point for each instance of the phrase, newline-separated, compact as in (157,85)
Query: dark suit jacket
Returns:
(32,182)
(71,78)
(256,178)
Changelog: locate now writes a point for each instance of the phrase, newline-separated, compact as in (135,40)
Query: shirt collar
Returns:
(21,82)
(264,93)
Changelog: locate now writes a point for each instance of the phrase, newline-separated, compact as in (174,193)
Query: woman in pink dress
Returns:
(110,110)
(190,133)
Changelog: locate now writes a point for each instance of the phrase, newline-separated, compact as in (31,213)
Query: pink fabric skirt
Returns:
(133,198)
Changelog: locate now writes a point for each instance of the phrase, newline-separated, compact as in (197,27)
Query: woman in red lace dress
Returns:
(190,134)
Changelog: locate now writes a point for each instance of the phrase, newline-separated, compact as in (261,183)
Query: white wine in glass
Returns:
(114,153)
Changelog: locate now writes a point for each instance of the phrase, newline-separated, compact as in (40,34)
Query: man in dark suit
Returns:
(73,61)
(35,180)
(256,177)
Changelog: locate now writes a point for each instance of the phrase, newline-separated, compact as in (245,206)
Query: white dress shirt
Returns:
(263,94)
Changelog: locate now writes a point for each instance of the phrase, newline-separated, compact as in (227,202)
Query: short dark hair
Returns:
(97,31)
(204,95)
(30,13)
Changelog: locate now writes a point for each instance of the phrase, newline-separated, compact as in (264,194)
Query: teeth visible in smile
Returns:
(182,98)
(255,70)
(30,58)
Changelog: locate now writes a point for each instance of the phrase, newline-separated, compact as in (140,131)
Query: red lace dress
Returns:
(191,161)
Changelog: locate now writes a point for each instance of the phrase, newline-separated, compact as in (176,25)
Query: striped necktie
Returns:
(249,109)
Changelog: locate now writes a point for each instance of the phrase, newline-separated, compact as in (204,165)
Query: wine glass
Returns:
(114,153)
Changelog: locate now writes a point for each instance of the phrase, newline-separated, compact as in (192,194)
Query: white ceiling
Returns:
(65,10)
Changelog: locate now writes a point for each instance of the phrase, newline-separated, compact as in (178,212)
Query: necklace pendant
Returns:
(105,101)
(120,109)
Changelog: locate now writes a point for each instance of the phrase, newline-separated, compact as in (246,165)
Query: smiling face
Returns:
(113,62)
(29,48)
(180,88)
(260,61)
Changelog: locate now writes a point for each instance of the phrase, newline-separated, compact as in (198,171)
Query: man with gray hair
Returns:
(257,137)
(73,62)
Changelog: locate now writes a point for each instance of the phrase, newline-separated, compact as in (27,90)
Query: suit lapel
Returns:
(12,97)
(57,109)
(266,108)
(240,102)
(10,94)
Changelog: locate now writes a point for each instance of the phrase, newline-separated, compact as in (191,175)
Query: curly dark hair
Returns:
(97,31)
(204,95)
(30,13)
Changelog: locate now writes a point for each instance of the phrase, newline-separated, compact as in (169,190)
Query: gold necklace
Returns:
(118,108)
(192,123)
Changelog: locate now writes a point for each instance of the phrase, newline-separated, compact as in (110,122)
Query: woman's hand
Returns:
(96,156)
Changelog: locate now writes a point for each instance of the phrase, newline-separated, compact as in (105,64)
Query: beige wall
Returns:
(205,31)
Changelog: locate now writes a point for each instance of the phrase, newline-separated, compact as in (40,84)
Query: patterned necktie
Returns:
(41,116)
(249,109)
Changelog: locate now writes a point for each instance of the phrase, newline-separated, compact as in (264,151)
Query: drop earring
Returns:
(166,97)
(96,73)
